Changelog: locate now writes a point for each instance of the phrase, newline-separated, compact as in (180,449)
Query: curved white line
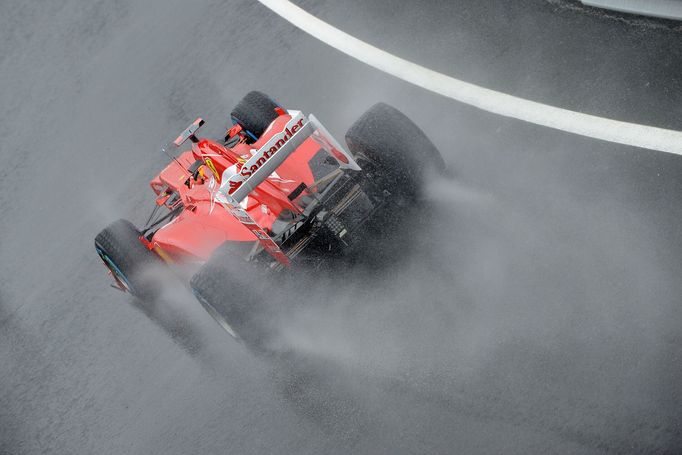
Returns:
(633,134)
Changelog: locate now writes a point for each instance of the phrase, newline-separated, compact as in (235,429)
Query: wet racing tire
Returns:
(254,113)
(226,288)
(119,247)
(399,153)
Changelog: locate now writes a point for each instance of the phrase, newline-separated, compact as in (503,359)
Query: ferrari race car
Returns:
(278,194)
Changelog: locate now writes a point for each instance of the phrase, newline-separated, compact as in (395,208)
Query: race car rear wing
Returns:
(274,152)
(264,161)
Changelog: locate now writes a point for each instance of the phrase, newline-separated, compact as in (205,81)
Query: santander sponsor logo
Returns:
(263,154)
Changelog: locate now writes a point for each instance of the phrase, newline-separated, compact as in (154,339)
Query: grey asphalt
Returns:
(535,304)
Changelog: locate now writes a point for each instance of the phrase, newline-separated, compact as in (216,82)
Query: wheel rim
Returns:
(119,276)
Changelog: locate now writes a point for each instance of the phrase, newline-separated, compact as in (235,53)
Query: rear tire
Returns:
(254,113)
(399,152)
(118,245)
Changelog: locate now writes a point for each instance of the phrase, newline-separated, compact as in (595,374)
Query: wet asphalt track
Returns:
(536,308)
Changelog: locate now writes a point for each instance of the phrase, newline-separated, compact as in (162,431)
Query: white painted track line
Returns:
(605,129)
(667,9)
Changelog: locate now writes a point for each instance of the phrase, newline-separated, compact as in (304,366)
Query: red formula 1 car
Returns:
(279,193)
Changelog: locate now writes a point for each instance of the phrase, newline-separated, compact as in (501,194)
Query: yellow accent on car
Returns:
(211,166)
(162,254)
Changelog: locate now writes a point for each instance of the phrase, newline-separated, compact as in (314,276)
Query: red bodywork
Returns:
(203,225)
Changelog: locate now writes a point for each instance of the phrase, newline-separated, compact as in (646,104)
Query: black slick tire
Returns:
(254,113)
(400,153)
(225,288)
(118,245)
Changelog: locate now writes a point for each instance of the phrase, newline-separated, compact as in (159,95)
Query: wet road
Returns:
(535,307)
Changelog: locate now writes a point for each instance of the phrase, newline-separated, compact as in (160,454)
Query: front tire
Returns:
(227,288)
(119,247)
